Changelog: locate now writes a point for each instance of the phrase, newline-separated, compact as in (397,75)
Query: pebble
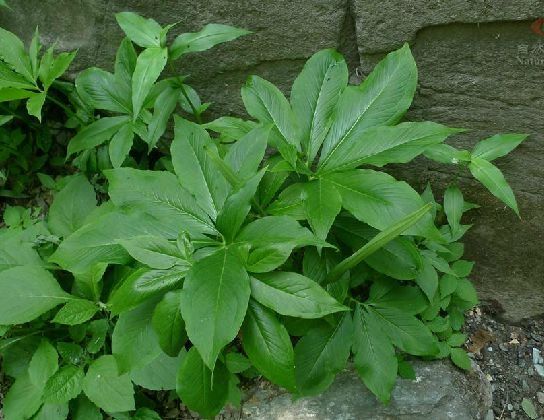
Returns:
(525,385)
(491,348)
(510,407)
(540,397)
(489,415)
(537,358)
(531,371)
(503,347)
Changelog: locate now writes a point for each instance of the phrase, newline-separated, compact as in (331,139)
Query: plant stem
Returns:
(195,112)
(64,107)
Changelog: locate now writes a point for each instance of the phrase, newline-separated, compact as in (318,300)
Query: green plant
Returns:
(236,263)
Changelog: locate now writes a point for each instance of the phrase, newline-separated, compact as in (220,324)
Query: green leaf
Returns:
(50,411)
(154,251)
(11,79)
(493,179)
(149,66)
(160,195)
(322,204)
(168,323)
(382,99)
(12,94)
(143,32)
(374,355)
(35,103)
(194,167)
(314,96)
(164,105)
(208,37)
(71,206)
(379,200)
(12,51)
(457,340)
(64,385)
(529,408)
(268,346)
(406,370)
(460,358)
(245,156)
(230,127)
(407,299)
(236,362)
(101,90)
(105,387)
(141,285)
(466,291)
(26,292)
(293,294)
(96,133)
(4,119)
(214,302)
(448,284)
(321,354)
(85,410)
(44,364)
(120,145)
(52,68)
(453,207)
(379,145)
(265,259)
(125,62)
(76,312)
(160,374)
(497,146)
(22,400)
(444,153)
(406,332)
(265,102)
(462,268)
(427,279)
(88,284)
(199,388)
(233,214)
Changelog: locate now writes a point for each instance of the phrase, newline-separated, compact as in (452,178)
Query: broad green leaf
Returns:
(382,99)
(444,153)
(71,206)
(448,284)
(99,89)
(529,408)
(88,284)
(466,291)
(84,409)
(199,388)
(141,285)
(457,340)
(105,387)
(12,51)
(96,133)
(98,330)
(154,251)
(379,200)
(453,207)
(236,208)
(321,354)
(134,343)
(44,364)
(236,362)
(4,119)
(427,279)
(125,62)
(265,259)
(208,37)
(64,385)
(149,66)
(35,103)
(322,204)
(493,179)
(194,167)
(51,69)
(168,323)
(462,268)
(314,96)
(11,79)
(214,302)
(160,195)
(268,345)
(164,105)
(143,32)
(51,411)
(76,312)
(120,145)
(460,358)
(26,292)
(15,251)
(245,156)
(374,355)
(160,374)
(273,230)
(290,202)
(22,400)
(230,127)
(406,332)
(379,144)
(272,180)
(407,299)
(497,146)
(12,94)
(293,294)
(265,102)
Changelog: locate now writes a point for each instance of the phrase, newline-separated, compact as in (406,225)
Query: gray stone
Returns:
(440,392)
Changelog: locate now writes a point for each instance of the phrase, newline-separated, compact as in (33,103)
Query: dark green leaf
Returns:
(120,145)
(96,133)
(101,90)
(497,146)
(12,51)
(44,364)
(143,32)
(168,323)
(453,207)
(149,66)
(76,312)
(322,204)
(64,385)
(460,358)
(154,251)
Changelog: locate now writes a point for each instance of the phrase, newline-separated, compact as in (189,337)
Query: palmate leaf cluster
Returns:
(274,246)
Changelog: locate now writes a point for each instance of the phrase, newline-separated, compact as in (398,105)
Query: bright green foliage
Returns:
(199,273)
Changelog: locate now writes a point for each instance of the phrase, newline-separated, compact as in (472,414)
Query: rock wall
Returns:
(480,67)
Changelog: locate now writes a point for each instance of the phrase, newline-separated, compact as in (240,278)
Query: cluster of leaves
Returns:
(234,262)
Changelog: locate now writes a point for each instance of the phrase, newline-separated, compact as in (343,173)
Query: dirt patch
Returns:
(509,357)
